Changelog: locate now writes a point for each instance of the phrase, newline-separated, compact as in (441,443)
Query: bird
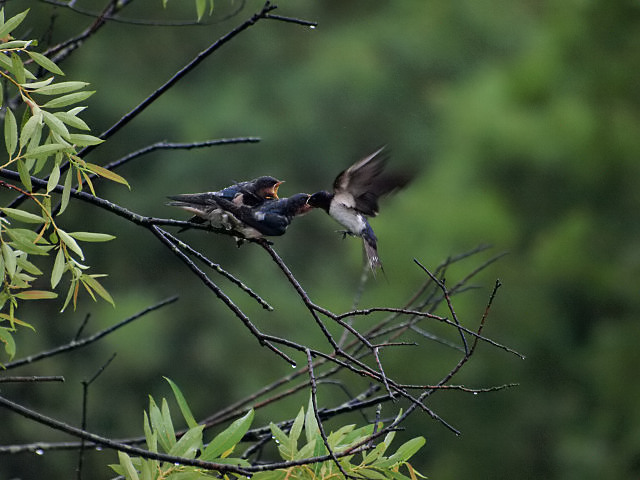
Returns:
(251,193)
(271,218)
(355,195)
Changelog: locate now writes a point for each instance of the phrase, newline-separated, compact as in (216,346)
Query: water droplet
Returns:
(98,448)
(475,393)
(312,27)
(293,365)
(39,451)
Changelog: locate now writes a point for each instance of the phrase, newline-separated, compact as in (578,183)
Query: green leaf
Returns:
(36,295)
(60,88)
(45,63)
(108,174)
(404,452)
(9,343)
(56,125)
(68,99)
(5,62)
(72,288)
(201,6)
(182,403)
(17,67)
(28,241)
(72,120)
(336,438)
(228,438)
(357,434)
(29,128)
(408,449)
(46,150)
(66,191)
(9,257)
(14,320)
(27,266)
(58,268)
(91,236)
(150,436)
(189,443)
(90,281)
(287,452)
(163,429)
(83,139)
(70,242)
(167,423)
(372,474)
(10,131)
(11,24)
(25,176)
(373,455)
(16,44)
(36,85)
(54,178)
(320,449)
(310,422)
(130,472)
(296,427)
(22,216)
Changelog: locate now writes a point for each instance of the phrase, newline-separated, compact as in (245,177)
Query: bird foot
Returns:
(345,233)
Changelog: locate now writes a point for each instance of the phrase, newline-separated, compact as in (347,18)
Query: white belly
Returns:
(345,217)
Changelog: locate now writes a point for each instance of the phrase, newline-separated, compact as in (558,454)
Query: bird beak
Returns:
(274,190)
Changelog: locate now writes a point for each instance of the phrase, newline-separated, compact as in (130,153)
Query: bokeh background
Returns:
(523,119)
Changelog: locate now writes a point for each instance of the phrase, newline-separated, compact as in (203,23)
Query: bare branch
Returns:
(74,344)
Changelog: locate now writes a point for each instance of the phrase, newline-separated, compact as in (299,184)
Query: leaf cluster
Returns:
(353,449)
(41,137)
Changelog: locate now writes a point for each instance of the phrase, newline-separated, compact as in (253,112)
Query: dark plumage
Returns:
(355,195)
(269,219)
(251,193)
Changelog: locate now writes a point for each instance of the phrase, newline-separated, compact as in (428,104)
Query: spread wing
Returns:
(361,185)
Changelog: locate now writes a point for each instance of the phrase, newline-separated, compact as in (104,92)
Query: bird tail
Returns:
(371,249)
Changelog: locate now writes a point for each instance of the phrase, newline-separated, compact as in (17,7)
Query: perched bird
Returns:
(251,193)
(355,197)
(271,218)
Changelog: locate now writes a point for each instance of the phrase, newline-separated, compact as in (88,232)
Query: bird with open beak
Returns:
(206,210)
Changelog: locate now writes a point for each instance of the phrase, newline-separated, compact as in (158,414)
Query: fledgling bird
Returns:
(355,195)
(251,193)
(271,218)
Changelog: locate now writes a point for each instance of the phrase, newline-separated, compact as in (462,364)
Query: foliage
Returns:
(371,462)
(201,7)
(43,142)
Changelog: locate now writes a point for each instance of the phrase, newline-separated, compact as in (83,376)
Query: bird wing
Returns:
(269,223)
(361,185)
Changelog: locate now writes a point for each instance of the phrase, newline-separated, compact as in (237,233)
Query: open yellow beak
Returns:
(274,190)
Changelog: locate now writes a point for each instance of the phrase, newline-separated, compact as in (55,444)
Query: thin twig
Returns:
(74,344)
(32,378)
(107,443)
(83,424)
(314,406)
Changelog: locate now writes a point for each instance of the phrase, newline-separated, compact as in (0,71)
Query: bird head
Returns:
(321,199)
(267,187)
(298,204)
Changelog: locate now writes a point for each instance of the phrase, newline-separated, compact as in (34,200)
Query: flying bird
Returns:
(355,195)
(251,193)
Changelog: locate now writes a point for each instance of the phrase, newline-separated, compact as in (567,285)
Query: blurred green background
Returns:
(524,120)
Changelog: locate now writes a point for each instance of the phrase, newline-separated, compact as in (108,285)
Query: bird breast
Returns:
(348,217)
